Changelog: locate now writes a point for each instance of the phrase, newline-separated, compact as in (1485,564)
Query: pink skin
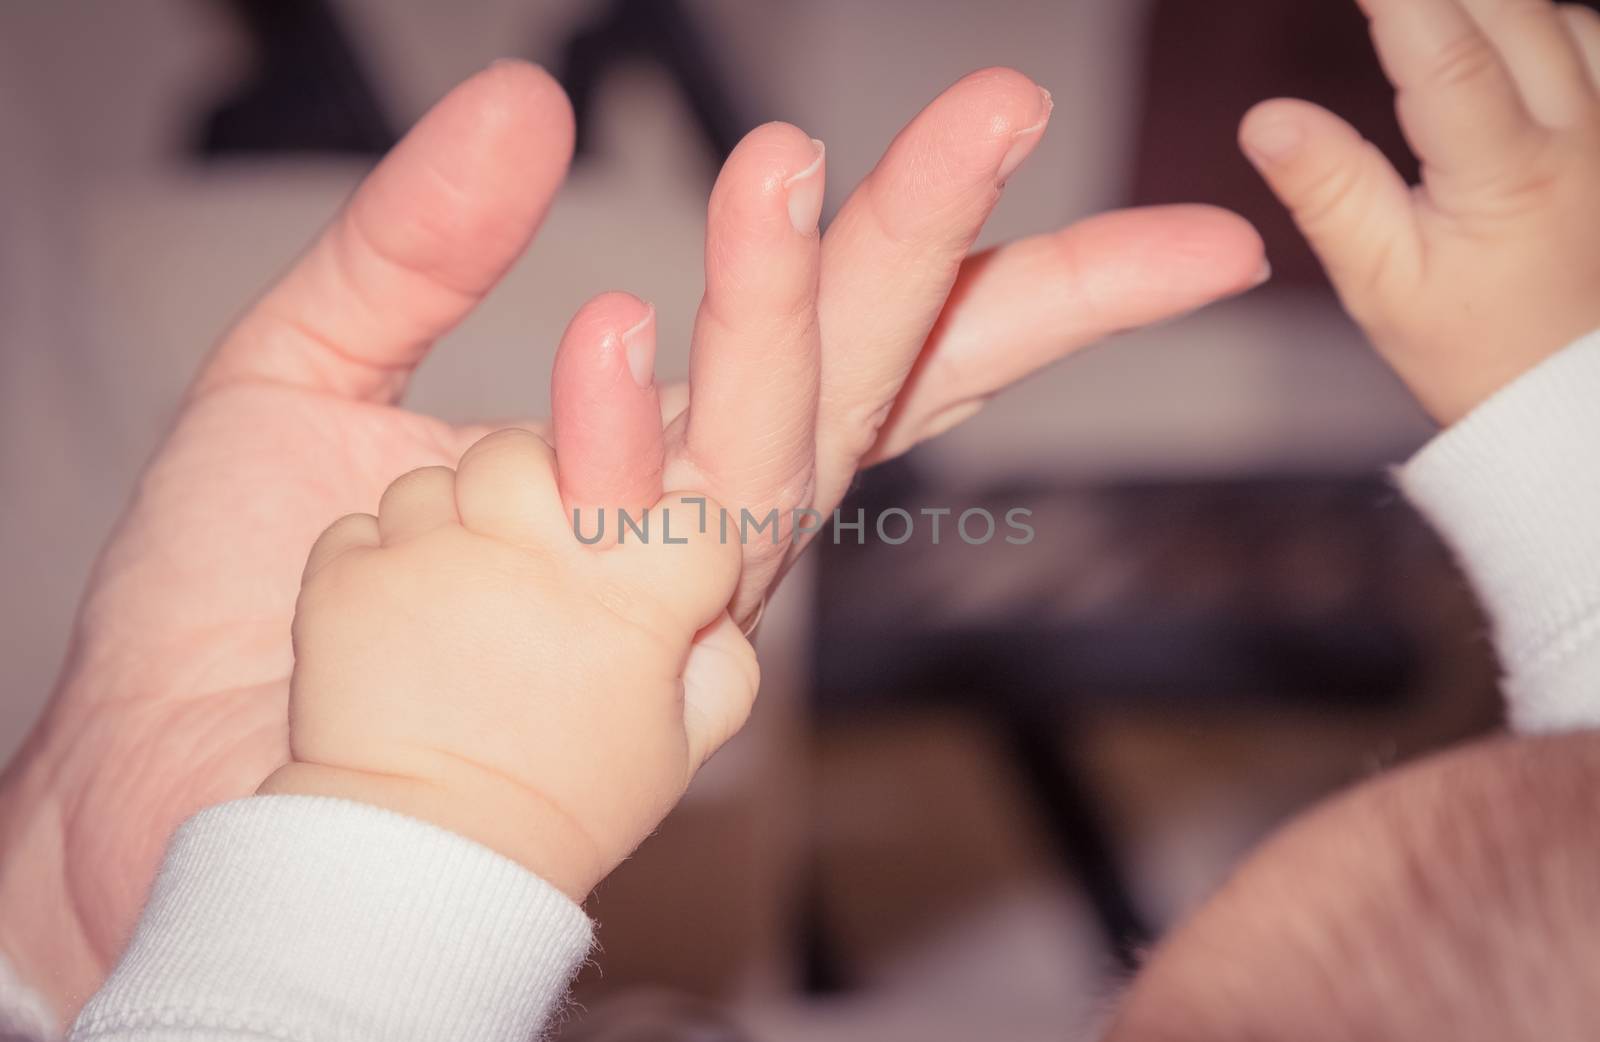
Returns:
(914,334)
(1487,266)
(428,234)
(174,694)
(1107,274)
(606,425)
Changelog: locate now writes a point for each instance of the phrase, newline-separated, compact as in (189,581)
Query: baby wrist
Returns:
(491,811)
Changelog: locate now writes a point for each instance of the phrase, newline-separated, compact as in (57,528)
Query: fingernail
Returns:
(805,193)
(1264,274)
(641,349)
(1024,140)
(1272,141)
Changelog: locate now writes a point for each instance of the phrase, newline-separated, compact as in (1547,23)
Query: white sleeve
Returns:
(24,1015)
(310,919)
(1515,490)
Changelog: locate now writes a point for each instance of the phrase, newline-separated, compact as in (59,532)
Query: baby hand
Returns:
(464,659)
(1493,262)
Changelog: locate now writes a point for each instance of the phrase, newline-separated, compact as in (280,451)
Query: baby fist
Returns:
(463,658)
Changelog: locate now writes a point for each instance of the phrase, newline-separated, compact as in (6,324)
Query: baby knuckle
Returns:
(341,531)
(1328,197)
(507,440)
(1463,61)
(420,476)
(337,584)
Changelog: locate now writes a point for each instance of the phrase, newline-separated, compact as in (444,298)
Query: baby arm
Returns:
(486,716)
(1481,288)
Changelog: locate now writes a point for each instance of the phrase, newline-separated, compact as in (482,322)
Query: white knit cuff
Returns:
(311,918)
(1515,490)
(24,1015)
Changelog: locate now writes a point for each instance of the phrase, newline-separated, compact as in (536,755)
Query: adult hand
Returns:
(812,360)
(173,696)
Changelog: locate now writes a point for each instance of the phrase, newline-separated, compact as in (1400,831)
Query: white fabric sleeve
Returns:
(24,1015)
(306,918)
(1514,489)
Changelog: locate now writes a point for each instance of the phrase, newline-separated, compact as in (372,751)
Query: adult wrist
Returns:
(43,940)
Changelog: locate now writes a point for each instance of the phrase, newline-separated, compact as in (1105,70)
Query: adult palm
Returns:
(175,689)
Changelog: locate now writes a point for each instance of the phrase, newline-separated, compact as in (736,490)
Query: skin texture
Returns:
(1450,901)
(174,694)
(1490,265)
(462,658)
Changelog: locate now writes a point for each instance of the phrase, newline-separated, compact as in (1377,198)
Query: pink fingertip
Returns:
(1027,139)
(805,193)
(639,343)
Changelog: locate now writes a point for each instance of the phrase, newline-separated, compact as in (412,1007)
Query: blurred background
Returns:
(982,779)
